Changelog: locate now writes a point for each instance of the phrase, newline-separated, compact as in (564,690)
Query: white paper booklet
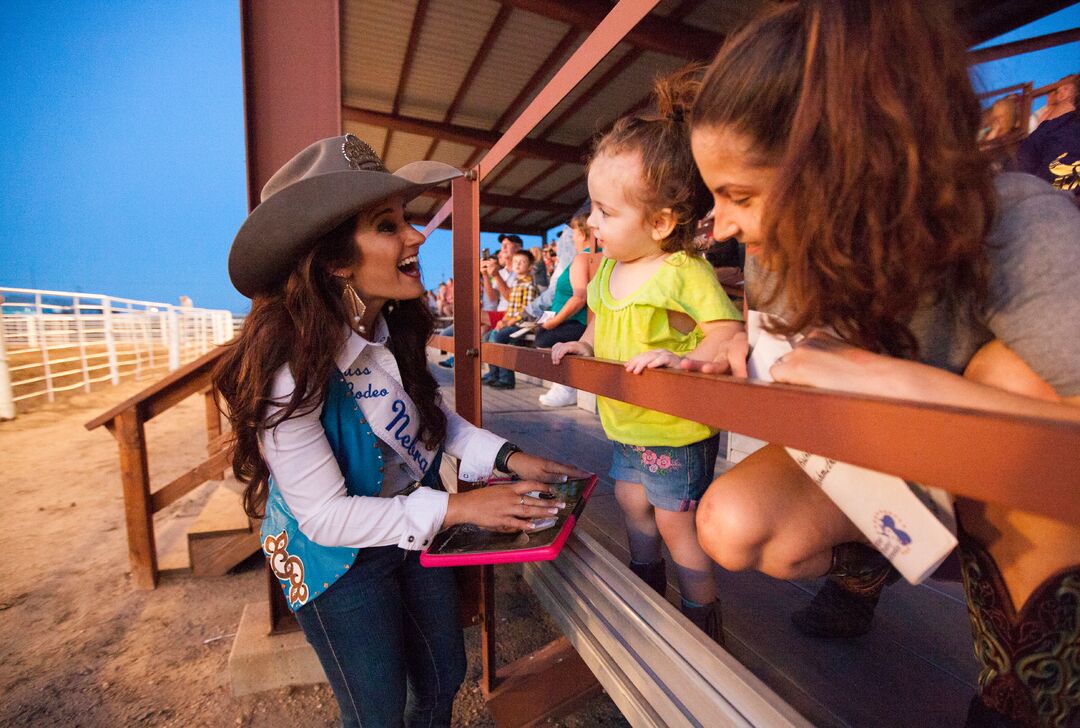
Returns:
(912,526)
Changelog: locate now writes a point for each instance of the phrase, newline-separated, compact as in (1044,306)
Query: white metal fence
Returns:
(56,341)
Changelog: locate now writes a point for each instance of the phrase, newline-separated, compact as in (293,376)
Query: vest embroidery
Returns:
(287,567)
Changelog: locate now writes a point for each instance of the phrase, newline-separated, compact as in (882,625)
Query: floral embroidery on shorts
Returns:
(654,463)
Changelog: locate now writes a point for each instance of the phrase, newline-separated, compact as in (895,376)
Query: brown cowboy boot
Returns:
(844,606)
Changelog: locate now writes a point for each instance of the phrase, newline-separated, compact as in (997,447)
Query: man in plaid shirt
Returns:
(521,295)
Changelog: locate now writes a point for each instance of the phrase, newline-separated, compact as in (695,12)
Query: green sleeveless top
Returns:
(563,291)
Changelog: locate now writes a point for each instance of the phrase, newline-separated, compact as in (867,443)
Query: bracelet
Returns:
(505,452)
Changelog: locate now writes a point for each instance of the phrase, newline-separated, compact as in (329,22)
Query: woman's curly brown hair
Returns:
(882,197)
(302,324)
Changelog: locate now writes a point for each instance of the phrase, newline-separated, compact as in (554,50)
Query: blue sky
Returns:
(122,166)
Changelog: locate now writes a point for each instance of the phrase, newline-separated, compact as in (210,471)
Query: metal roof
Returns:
(442,79)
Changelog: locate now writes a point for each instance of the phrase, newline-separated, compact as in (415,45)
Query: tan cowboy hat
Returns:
(317,190)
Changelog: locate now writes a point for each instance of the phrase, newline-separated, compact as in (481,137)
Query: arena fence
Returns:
(58,341)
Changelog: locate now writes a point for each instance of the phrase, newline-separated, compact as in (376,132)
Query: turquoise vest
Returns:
(304,568)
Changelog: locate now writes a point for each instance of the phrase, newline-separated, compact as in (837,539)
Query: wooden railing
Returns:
(126,421)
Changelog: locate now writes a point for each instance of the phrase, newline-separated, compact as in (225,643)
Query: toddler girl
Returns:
(656,300)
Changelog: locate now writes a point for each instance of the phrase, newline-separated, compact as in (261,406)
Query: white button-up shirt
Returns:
(307,473)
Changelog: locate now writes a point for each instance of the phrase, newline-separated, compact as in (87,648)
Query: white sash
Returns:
(389,411)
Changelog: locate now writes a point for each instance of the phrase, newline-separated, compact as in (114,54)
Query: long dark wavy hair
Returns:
(882,197)
(302,324)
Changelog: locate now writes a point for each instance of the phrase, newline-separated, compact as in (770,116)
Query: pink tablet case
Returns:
(514,556)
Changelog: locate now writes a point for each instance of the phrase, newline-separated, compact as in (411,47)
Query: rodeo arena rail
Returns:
(59,341)
(617,634)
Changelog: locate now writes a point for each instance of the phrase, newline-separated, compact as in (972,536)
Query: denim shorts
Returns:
(675,478)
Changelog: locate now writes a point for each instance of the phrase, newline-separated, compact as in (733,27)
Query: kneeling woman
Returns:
(869,212)
(340,429)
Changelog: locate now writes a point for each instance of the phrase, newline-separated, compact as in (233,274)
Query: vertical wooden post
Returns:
(213,426)
(466,236)
(138,507)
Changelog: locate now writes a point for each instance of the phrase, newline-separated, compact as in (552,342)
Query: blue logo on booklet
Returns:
(893,538)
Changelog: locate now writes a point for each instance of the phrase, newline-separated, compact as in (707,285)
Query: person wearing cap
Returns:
(340,430)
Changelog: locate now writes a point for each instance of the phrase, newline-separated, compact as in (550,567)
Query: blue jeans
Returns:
(502,336)
(389,637)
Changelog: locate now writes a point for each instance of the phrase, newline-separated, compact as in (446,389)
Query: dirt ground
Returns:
(80,647)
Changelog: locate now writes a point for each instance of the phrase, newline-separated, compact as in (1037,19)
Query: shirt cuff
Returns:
(478,460)
(425,510)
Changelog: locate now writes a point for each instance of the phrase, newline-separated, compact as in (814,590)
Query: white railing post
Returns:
(43,345)
(82,343)
(7,396)
(110,339)
(174,340)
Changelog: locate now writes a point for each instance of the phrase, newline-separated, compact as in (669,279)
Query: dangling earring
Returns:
(390,307)
(354,306)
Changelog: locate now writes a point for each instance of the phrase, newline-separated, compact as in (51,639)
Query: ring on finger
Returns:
(522,501)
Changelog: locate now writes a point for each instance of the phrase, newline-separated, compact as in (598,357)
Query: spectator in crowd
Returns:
(914,272)
(655,301)
(1052,151)
(521,295)
(498,276)
(435,300)
(539,270)
(1061,100)
(569,304)
(1002,118)
(448,309)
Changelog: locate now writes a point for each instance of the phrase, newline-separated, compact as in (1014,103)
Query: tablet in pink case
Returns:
(469,545)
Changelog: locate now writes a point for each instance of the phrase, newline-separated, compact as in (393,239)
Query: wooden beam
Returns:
(479,57)
(138,506)
(943,446)
(537,179)
(545,68)
(507,201)
(533,148)
(554,196)
(209,469)
(406,65)
(1028,45)
(653,33)
(288,105)
(608,34)
(986,19)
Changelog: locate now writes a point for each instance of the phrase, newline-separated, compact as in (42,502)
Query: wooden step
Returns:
(222,536)
(223,515)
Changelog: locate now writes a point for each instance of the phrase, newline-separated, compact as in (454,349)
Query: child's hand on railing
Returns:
(654,359)
(563,348)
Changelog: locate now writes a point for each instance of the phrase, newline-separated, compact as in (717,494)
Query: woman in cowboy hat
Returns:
(340,430)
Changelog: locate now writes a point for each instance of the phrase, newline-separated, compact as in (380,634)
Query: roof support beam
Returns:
(406,65)
(609,33)
(1038,43)
(550,151)
(507,201)
(287,105)
(986,19)
(653,33)
(546,67)
(478,60)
